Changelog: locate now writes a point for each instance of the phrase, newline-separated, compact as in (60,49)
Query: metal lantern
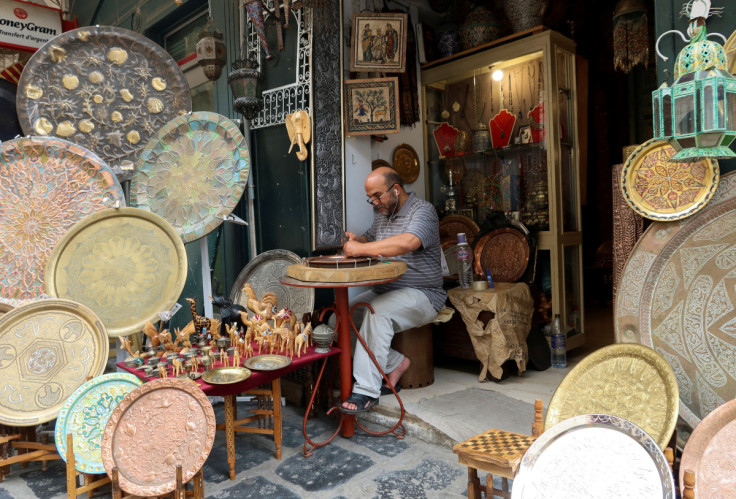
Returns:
(245,84)
(697,114)
(211,52)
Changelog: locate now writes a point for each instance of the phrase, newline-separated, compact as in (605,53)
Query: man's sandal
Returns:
(363,402)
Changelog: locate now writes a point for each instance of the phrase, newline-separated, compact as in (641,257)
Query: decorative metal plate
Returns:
(730,49)
(675,296)
(157,426)
(48,185)
(192,173)
(629,381)
(267,362)
(377,163)
(48,348)
(594,456)
(85,414)
(710,452)
(126,264)
(452,225)
(660,189)
(226,375)
(505,252)
(107,89)
(406,162)
(264,272)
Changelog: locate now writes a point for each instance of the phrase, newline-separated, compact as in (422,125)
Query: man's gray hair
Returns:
(392,178)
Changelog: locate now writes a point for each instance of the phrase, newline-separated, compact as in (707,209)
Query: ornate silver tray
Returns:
(264,272)
(594,456)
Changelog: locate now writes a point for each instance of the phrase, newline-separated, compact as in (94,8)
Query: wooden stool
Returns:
(416,344)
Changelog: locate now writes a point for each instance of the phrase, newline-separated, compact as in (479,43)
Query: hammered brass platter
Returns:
(48,348)
(226,375)
(192,173)
(629,381)
(127,264)
(406,162)
(105,88)
(267,362)
(159,425)
(48,185)
(660,189)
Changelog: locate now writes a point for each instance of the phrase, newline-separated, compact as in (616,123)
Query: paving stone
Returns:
(429,475)
(248,454)
(386,445)
(46,483)
(256,487)
(328,468)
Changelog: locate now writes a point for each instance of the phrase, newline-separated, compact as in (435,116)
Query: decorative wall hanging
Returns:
(675,296)
(660,189)
(378,42)
(502,128)
(372,106)
(299,128)
(104,88)
(192,173)
(49,348)
(254,8)
(48,185)
(444,137)
(696,114)
(630,35)
(127,264)
(406,163)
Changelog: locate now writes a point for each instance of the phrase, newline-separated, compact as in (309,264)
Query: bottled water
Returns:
(464,261)
(559,354)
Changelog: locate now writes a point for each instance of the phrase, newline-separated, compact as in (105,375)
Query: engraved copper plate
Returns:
(226,375)
(157,426)
(48,348)
(267,362)
(629,381)
(660,189)
(406,162)
(676,296)
(48,185)
(730,49)
(264,272)
(505,252)
(594,456)
(711,453)
(452,225)
(192,173)
(340,261)
(105,88)
(126,264)
(85,414)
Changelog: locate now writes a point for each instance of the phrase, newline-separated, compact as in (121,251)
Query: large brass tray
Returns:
(267,362)
(126,264)
(629,381)
(192,173)
(226,375)
(107,89)
(157,426)
(406,162)
(660,189)
(48,348)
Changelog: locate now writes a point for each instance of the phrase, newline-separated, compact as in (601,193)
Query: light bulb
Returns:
(497,75)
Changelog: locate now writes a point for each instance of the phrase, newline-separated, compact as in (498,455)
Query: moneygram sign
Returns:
(25,26)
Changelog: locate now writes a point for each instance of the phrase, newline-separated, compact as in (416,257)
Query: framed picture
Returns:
(525,134)
(378,42)
(372,106)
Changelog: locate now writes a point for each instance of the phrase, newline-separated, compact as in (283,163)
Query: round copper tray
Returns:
(164,423)
(629,381)
(226,375)
(452,225)
(406,162)
(505,252)
(377,163)
(340,262)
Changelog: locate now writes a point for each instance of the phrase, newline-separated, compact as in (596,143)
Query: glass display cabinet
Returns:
(501,135)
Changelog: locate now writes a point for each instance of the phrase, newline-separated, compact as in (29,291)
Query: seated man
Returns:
(405,228)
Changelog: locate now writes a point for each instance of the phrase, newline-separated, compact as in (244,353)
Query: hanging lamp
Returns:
(630,35)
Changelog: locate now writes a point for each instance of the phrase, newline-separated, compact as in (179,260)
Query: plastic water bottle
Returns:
(464,260)
(559,354)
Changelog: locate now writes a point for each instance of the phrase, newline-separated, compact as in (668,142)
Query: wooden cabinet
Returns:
(531,171)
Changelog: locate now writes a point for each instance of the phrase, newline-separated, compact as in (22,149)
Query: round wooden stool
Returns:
(416,344)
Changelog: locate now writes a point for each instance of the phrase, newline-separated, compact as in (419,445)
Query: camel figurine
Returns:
(232,331)
(265,338)
(236,358)
(302,339)
(176,367)
(282,316)
(224,358)
(162,371)
(265,306)
(200,321)
(195,364)
(284,340)
(248,350)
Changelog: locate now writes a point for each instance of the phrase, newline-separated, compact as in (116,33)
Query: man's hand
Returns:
(351,236)
(352,247)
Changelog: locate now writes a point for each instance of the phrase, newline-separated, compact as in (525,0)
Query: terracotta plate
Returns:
(48,348)
(660,189)
(711,452)
(406,162)
(594,456)
(267,362)
(192,173)
(48,185)
(126,264)
(505,252)
(629,381)
(85,414)
(155,427)
(226,375)
(104,88)
(676,296)
(452,225)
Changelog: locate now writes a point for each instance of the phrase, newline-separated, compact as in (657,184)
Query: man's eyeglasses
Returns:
(377,199)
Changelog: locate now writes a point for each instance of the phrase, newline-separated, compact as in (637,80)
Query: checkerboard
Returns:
(502,448)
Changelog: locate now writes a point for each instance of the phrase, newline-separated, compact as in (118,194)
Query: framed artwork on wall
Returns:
(371,106)
(378,42)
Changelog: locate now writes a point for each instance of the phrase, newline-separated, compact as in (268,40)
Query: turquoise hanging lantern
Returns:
(697,114)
